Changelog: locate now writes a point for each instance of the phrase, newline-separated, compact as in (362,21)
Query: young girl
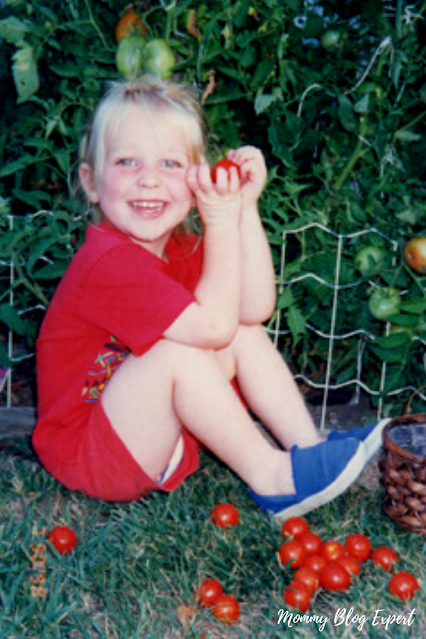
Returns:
(151,329)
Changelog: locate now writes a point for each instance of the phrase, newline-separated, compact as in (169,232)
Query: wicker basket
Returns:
(403,472)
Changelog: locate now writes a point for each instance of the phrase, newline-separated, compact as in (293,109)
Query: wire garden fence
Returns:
(337,287)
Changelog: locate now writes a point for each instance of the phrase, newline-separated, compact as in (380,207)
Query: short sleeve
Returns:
(134,296)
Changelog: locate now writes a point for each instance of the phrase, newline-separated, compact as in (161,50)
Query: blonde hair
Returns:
(154,96)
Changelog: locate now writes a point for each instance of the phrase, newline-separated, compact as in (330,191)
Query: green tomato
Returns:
(384,302)
(369,260)
(332,39)
(159,59)
(129,57)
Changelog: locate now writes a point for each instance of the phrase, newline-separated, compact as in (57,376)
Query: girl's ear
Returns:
(87,179)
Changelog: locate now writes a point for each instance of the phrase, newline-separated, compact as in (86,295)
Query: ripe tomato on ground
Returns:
(292,553)
(359,546)
(307,576)
(224,515)
(63,539)
(384,557)
(403,585)
(297,595)
(332,549)
(311,542)
(294,527)
(130,23)
(226,609)
(315,562)
(351,563)
(224,164)
(334,577)
(209,592)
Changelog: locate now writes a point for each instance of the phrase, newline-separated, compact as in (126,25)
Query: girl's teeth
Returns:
(148,205)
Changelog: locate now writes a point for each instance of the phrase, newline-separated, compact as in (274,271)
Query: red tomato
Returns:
(333,549)
(351,563)
(209,592)
(315,562)
(334,577)
(298,596)
(311,542)
(224,164)
(384,557)
(294,527)
(224,515)
(63,538)
(403,585)
(307,576)
(359,546)
(293,553)
(226,609)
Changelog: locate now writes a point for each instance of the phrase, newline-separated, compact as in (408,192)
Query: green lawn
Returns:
(135,568)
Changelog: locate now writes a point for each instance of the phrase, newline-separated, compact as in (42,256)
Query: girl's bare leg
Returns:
(150,397)
(270,390)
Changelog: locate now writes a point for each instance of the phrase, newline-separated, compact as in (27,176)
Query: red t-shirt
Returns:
(115,298)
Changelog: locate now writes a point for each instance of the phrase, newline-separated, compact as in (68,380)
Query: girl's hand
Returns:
(253,173)
(216,203)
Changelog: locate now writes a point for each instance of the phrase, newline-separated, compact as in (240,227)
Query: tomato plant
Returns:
(63,539)
(226,165)
(226,609)
(224,515)
(415,254)
(385,558)
(403,585)
(332,549)
(335,577)
(359,546)
(384,302)
(311,542)
(294,527)
(209,592)
(292,553)
(297,595)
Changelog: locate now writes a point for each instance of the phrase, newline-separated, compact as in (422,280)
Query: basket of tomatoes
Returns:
(403,471)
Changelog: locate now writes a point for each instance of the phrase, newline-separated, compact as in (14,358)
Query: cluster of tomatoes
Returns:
(332,565)
(136,55)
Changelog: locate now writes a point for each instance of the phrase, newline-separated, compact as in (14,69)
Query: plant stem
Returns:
(358,151)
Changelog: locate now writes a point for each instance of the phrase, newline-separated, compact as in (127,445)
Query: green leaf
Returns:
(25,74)
(51,271)
(407,136)
(296,321)
(416,305)
(391,355)
(12,319)
(345,114)
(286,299)
(263,102)
(16,165)
(395,340)
(13,30)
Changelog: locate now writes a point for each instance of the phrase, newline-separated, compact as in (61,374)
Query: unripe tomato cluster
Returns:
(135,55)
(332,565)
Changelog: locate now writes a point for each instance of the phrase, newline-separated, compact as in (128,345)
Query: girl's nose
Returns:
(147,177)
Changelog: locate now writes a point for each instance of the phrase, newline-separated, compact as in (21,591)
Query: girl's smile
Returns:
(142,189)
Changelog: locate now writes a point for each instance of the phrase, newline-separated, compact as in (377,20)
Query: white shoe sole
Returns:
(333,490)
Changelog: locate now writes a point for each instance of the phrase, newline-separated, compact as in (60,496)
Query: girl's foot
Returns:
(321,473)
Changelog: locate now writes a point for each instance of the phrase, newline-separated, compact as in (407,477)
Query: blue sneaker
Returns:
(320,473)
(370,436)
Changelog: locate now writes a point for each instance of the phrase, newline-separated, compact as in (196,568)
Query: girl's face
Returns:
(142,189)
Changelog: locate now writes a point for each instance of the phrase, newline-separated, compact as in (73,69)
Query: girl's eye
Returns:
(126,162)
(171,164)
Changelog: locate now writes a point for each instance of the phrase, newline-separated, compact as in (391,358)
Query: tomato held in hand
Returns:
(359,546)
(294,527)
(224,515)
(403,585)
(226,609)
(298,596)
(227,166)
(63,539)
(292,553)
(385,558)
(209,592)
(334,577)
